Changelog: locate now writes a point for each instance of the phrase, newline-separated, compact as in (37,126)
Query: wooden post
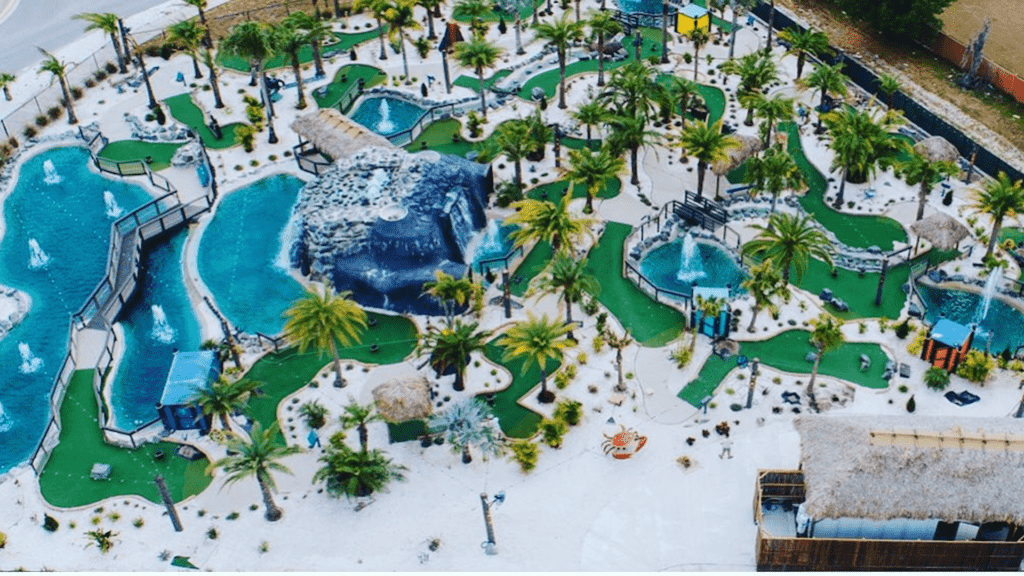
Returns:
(168,502)
(664,32)
(881,282)
(490,544)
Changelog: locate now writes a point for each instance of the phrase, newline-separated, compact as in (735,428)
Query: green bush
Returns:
(473,122)
(50,523)
(681,356)
(976,366)
(525,453)
(562,379)
(569,411)
(911,405)
(903,328)
(314,413)
(936,378)
(552,432)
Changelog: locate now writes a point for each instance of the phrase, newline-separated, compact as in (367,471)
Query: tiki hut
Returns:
(937,148)
(335,135)
(403,399)
(749,145)
(941,230)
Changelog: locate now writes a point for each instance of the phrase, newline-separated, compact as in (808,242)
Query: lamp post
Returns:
(753,381)
(490,545)
(664,32)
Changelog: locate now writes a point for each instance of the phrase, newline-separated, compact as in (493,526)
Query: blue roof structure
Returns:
(189,373)
(950,333)
(708,293)
(693,11)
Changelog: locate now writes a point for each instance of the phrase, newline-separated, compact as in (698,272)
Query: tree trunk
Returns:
(72,119)
(996,226)
(405,57)
(811,402)
(577,10)
(297,70)
(749,120)
(545,396)
(252,74)
(800,59)
(753,318)
(785,268)
(224,421)
(202,18)
(922,198)
(561,79)
(430,26)
(696,60)
(588,132)
(842,190)
(273,512)
(216,88)
(339,380)
(519,40)
(483,93)
(702,167)
(364,439)
(121,66)
(732,41)
(337,9)
(768,134)
(317,58)
(568,310)
(195,68)
(693,331)
(7,96)
(771,27)
(600,59)
(775,200)
(383,52)
(589,207)
(270,110)
(535,6)
(633,153)
(519,174)
(621,386)
(466,456)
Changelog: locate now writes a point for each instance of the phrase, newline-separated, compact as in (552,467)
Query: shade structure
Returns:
(942,230)
(749,145)
(335,135)
(937,148)
(403,399)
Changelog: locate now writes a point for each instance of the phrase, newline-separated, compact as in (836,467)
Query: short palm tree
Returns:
(593,170)
(707,144)
(400,17)
(999,199)
(634,91)
(804,42)
(256,456)
(357,416)
(450,292)
(355,474)
(826,336)
(321,320)
(593,113)
(789,240)
(513,140)
(475,11)
(542,220)
(480,55)
(772,110)
(765,284)
(602,25)
(755,71)
(451,347)
(683,91)
(705,308)
(200,6)
(699,37)
(256,43)
(630,133)
(107,23)
(57,68)
(773,172)
(826,79)
(560,34)
(377,8)
(189,34)
(919,169)
(570,277)
(515,7)
(6,79)
(290,41)
(537,340)
(221,399)
(316,32)
(888,85)
(619,343)
(465,424)
(862,143)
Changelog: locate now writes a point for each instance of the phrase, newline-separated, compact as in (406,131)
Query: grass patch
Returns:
(328,96)
(553,190)
(128,150)
(516,421)
(534,263)
(473,83)
(185,111)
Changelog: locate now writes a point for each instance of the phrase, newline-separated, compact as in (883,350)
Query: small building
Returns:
(946,345)
(190,372)
(719,326)
(895,493)
(693,16)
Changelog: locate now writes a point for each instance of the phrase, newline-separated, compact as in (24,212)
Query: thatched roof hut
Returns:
(917,467)
(403,399)
(942,230)
(749,145)
(937,148)
(335,135)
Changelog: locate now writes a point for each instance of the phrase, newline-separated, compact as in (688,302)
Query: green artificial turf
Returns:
(713,97)
(473,83)
(129,150)
(185,111)
(534,263)
(344,44)
(553,190)
(525,12)
(516,421)
(65,480)
(346,77)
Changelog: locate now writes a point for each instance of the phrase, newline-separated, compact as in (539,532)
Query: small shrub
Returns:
(591,306)
(581,358)
(3,540)
(916,344)
(272,158)
(525,453)
(114,516)
(138,522)
(76,93)
(111,68)
(314,413)
(681,356)
(562,379)
(883,324)
(239,167)
(862,327)
(103,539)
(473,124)
(684,461)
(552,432)
(254,162)
(598,343)
(89,82)
(212,533)
(232,516)
(948,198)
(976,366)
(264,547)
(254,507)
(42,120)
(903,388)
(201,513)
(95,520)
(903,329)
(911,404)
(569,411)
(936,378)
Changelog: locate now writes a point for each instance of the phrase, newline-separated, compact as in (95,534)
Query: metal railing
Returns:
(680,297)
(502,259)
(306,157)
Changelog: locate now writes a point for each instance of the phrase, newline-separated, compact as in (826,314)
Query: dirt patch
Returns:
(964,19)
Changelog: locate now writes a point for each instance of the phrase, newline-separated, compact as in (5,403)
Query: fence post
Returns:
(7,133)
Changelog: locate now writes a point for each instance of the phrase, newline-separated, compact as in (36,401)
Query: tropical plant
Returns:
(560,34)
(570,277)
(542,220)
(377,8)
(999,198)
(804,42)
(525,453)
(826,79)
(826,336)
(255,43)
(699,37)
(314,413)
(619,343)
(221,398)
(755,71)
(103,539)
(900,20)
(107,23)
(430,6)
(475,11)
(514,7)
(450,292)
(552,431)
(465,424)
(862,143)
(634,91)
(290,41)
(683,91)
(57,68)
(711,307)
(513,139)
(630,133)
(315,31)
(936,378)
(888,85)
(603,25)
(773,172)
(200,6)
(190,34)
(208,61)
(479,54)
(789,240)
(400,17)
(976,366)
(919,169)
(256,456)
(357,416)
(355,474)
(569,411)
(537,340)
(707,144)
(321,320)
(7,79)
(593,170)
(765,284)
(771,110)
(593,113)
(452,346)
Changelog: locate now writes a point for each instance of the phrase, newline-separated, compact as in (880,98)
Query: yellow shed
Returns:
(691,17)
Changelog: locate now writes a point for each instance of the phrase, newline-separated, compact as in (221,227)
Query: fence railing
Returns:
(307,157)
(679,297)
(487,262)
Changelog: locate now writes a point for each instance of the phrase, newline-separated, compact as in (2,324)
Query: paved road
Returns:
(48,23)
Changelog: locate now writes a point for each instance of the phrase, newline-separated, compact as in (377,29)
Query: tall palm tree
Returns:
(789,240)
(827,79)
(211,65)
(634,91)
(108,23)
(221,399)
(255,43)
(190,34)
(570,277)
(450,347)
(475,11)
(773,172)
(400,17)
(719,5)
(465,424)
(6,79)
(450,291)
(129,39)
(321,319)
(560,34)
(804,42)
(316,32)
(357,416)
(54,66)
(630,133)
(479,54)
(290,41)
(826,336)
(541,220)
(707,144)
(515,8)
(593,170)
(603,25)
(755,72)
(683,91)
(351,473)
(999,199)
(513,140)
(862,143)
(430,6)
(593,113)
(919,169)
(537,340)
(772,110)
(888,85)
(377,8)
(200,5)
(765,284)
(708,308)
(699,37)
(256,456)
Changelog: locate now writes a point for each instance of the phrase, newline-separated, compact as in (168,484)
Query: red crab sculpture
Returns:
(624,444)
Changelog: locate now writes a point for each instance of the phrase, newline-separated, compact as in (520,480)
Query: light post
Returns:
(490,545)
(664,32)
(753,381)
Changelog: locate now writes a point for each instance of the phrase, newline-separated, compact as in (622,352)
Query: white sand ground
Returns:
(580,509)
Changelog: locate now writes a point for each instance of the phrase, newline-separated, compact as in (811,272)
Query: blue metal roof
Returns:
(189,373)
(707,293)
(693,11)
(950,333)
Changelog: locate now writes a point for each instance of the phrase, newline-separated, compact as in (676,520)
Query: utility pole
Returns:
(490,546)
(168,502)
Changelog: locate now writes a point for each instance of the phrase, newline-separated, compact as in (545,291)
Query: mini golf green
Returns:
(438,137)
(346,77)
(185,111)
(129,150)
(344,44)
(534,263)
(516,421)
(786,352)
(473,83)
(65,480)
(553,190)
(713,98)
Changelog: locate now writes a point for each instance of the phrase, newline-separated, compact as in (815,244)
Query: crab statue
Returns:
(624,444)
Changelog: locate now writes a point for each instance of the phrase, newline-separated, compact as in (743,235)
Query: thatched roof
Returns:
(336,135)
(942,230)
(749,145)
(403,399)
(937,148)
(919,467)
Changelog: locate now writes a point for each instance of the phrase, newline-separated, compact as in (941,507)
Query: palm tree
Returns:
(720,6)
(479,54)
(773,172)
(705,308)
(290,41)
(475,10)
(789,240)
(802,43)
(764,285)
(862,143)
(560,34)
(919,169)
(108,23)
(450,291)
(6,79)
(355,473)
(465,424)
(542,220)
(129,39)
(257,456)
(755,71)
(221,399)
(513,140)
(570,277)
(255,43)
(603,26)
(190,34)
(316,32)
(54,66)
(630,133)
(827,79)
(590,114)
(888,85)
(515,7)
(619,343)
(357,416)
(430,6)
(826,336)
(999,199)
(321,320)
(699,37)
(634,90)
(451,347)
(708,144)
(211,65)
(400,17)
(537,340)
(772,110)
(593,170)
(377,7)
(200,5)
(683,91)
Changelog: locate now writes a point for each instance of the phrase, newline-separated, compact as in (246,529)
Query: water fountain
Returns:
(37,259)
(690,266)
(991,285)
(51,177)
(30,364)
(162,331)
(5,421)
(113,210)
(385,125)
(488,244)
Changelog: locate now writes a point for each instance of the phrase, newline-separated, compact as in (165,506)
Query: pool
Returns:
(387,116)
(245,264)
(1004,323)
(61,206)
(707,265)
(641,6)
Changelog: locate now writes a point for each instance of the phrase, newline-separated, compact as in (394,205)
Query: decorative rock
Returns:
(14,305)
(810,356)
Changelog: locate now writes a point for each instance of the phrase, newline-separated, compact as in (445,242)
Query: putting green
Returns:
(344,44)
(473,83)
(516,421)
(185,111)
(346,77)
(553,190)
(129,150)
(534,263)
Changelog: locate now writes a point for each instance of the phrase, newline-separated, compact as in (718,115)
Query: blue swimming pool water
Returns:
(149,346)
(1004,322)
(662,267)
(493,242)
(239,254)
(68,220)
(642,6)
(387,116)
